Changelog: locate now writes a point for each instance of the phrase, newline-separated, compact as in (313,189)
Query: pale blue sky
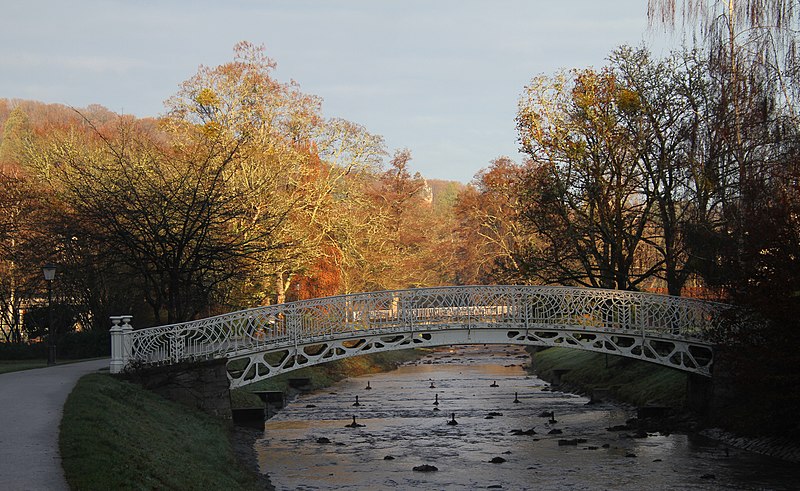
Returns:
(440,77)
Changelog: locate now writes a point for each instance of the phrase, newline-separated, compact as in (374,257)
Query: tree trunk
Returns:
(280,291)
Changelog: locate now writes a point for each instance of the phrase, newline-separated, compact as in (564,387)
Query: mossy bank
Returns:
(625,379)
(641,384)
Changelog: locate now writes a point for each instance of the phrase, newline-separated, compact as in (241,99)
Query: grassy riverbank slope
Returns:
(116,435)
(628,380)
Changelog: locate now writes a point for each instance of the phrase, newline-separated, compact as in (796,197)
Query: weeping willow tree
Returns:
(740,35)
(751,55)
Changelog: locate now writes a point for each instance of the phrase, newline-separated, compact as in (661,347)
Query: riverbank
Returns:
(643,384)
(624,379)
(117,435)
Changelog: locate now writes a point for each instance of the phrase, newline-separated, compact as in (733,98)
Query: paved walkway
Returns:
(31,405)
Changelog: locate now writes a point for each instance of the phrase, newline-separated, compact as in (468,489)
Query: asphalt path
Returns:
(31,406)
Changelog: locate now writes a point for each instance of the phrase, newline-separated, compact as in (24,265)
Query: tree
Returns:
(24,238)
(16,131)
(752,57)
(664,107)
(242,194)
(654,171)
(491,236)
(165,214)
(583,192)
(741,35)
(23,244)
(297,162)
(750,247)
(325,200)
(401,242)
(272,124)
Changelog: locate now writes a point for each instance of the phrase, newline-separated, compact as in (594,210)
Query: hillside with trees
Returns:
(242,194)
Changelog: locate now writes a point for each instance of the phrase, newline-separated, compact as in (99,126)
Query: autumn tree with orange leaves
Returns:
(490,235)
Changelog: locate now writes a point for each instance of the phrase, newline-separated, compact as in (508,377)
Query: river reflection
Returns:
(307,446)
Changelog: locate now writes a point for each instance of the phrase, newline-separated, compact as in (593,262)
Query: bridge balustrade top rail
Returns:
(473,307)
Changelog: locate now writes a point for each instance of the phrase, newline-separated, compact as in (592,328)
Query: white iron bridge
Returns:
(263,342)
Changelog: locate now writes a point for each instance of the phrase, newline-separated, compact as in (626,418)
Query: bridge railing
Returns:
(425,308)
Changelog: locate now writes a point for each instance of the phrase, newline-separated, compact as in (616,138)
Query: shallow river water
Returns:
(307,445)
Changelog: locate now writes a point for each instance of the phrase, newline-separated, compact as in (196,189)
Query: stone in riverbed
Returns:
(497,460)
(426,468)
(573,441)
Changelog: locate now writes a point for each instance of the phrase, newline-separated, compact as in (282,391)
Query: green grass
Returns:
(7,366)
(633,381)
(116,435)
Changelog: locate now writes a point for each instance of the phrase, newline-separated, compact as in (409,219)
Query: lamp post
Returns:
(49,271)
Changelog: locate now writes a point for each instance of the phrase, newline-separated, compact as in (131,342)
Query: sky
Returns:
(439,77)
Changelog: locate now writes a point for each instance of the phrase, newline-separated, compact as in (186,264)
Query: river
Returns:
(308,445)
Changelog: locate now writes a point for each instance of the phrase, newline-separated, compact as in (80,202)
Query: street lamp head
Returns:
(49,271)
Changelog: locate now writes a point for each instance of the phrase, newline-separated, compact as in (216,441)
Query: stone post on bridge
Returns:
(120,342)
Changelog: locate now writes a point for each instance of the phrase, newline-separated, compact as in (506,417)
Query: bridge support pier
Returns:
(699,390)
(711,396)
(202,385)
(120,342)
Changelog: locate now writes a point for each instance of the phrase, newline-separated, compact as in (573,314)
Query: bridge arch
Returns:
(266,341)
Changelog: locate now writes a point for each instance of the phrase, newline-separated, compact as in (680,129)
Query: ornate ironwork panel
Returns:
(660,328)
